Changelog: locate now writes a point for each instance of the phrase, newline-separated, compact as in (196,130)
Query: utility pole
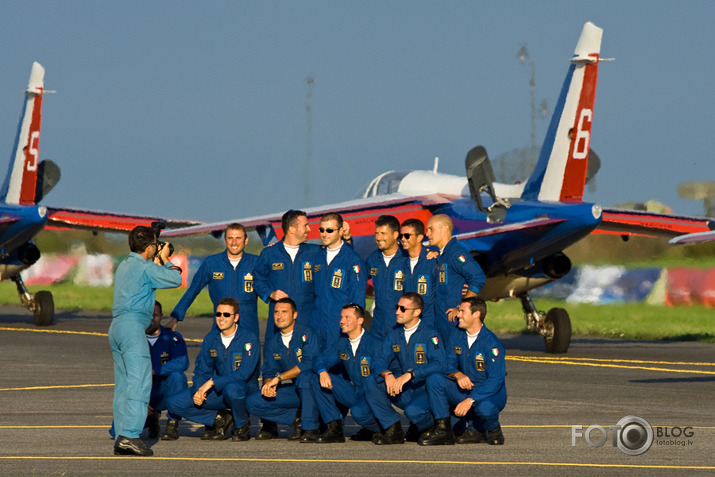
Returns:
(309,81)
(523,56)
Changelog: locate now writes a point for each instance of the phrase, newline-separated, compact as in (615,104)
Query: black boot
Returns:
(222,424)
(392,435)
(131,446)
(471,436)
(154,426)
(440,435)
(495,436)
(171,432)
(242,434)
(268,431)
(309,436)
(296,428)
(333,434)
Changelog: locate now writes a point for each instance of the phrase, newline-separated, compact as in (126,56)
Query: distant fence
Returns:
(587,284)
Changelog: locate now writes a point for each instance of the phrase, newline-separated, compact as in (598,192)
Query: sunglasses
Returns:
(407,236)
(330,231)
(225,314)
(403,308)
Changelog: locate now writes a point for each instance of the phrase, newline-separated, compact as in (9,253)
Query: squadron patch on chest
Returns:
(365,367)
(480,362)
(420,357)
(218,275)
(278,266)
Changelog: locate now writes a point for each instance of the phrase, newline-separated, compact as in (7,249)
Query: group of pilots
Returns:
(425,349)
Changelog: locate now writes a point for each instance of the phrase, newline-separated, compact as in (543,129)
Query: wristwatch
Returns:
(278,375)
(472,400)
(412,372)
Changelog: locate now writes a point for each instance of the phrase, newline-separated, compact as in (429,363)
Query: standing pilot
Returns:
(227,274)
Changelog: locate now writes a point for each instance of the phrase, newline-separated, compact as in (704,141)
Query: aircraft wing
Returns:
(500,229)
(651,224)
(693,238)
(64,218)
(359,213)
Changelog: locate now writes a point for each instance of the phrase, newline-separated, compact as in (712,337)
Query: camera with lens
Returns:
(157,227)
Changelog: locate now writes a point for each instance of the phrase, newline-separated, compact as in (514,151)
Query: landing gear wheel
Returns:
(44,308)
(557,325)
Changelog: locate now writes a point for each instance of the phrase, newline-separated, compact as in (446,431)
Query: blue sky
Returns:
(197,109)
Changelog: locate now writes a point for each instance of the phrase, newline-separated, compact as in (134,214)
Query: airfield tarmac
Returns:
(56,393)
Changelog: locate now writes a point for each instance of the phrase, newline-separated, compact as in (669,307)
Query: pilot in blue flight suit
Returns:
(415,352)
(226,371)
(285,269)
(340,278)
(422,273)
(474,381)
(135,284)
(340,375)
(456,268)
(227,274)
(286,396)
(388,279)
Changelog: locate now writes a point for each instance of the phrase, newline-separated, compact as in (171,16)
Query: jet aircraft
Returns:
(27,182)
(516,233)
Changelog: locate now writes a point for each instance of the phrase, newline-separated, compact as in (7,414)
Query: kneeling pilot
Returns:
(226,371)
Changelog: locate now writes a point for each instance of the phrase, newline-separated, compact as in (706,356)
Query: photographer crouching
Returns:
(135,283)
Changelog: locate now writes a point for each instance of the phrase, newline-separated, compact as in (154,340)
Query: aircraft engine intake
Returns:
(557,265)
(28,253)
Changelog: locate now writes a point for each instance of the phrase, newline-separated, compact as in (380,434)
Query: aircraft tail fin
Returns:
(20,186)
(560,173)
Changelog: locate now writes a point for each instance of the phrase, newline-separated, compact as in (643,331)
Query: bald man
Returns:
(456,268)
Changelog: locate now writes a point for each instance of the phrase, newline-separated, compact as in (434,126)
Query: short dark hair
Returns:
(232,302)
(415,224)
(156,303)
(289,219)
(289,301)
(415,298)
(235,226)
(476,304)
(359,311)
(332,216)
(389,220)
(140,238)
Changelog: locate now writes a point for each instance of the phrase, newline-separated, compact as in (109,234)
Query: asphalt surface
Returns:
(56,394)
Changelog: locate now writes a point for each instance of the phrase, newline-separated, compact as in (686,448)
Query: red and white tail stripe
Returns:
(560,174)
(20,184)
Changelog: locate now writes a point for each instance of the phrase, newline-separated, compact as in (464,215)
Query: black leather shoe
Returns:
(296,429)
(471,436)
(363,435)
(129,446)
(392,435)
(333,434)
(154,426)
(222,424)
(413,434)
(440,435)
(208,433)
(171,432)
(268,431)
(243,433)
(495,437)
(309,436)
